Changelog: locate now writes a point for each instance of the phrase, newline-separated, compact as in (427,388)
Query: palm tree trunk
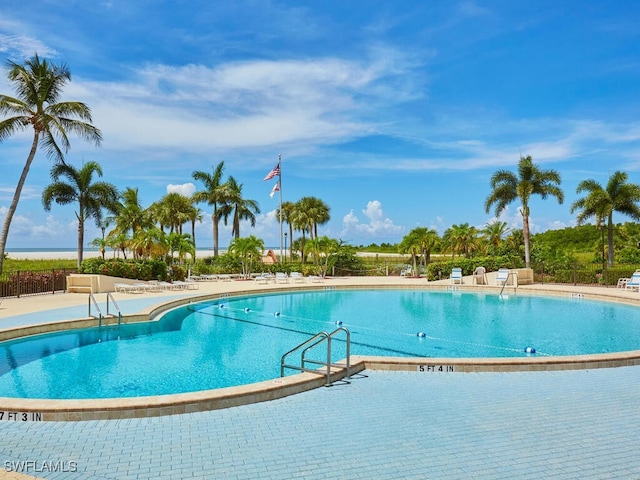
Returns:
(216,220)
(16,198)
(525,234)
(80,240)
(610,239)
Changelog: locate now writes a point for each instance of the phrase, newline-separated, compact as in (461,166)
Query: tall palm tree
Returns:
(80,188)
(531,180)
(309,213)
(216,194)
(38,85)
(600,203)
(238,207)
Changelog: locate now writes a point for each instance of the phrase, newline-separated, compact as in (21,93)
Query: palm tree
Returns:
(288,209)
(130,217)
(311,212)
(247,249)
(494,232)
(80,189)
(38,85)
(461,239)
(531,180)
(215,194)
(600,203)
(322,248)
(172,210)
(241,208)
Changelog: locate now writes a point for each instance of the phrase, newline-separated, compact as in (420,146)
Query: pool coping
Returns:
(135,407)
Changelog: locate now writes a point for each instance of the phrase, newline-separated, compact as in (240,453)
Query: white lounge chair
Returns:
(456,276)
(296,277)
(264,278)
(281,277)
(406,272)
(502,276)
(634,282)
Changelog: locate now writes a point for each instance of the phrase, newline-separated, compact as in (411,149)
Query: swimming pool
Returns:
(240,340)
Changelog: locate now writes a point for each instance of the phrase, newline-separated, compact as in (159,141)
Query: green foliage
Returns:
(442,269)
(217,265)
(26,264)
(136,269)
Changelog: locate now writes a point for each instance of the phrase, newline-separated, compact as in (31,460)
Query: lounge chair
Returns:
(264,278)
(502,276)
(406,272)
(296,277)
(281,277)
(622,282)
(634,282)
(315,279)
(480,276)
(456,276)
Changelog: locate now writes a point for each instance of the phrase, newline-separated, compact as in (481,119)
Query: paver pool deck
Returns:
(548,424)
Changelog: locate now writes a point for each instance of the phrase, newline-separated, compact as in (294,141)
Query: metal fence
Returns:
(34,282)
(582,273)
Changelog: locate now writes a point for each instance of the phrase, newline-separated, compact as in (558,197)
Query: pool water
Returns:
(240,340)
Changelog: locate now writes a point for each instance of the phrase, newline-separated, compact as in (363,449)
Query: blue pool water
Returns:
(240,340)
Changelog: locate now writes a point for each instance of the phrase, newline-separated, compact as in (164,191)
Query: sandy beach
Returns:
(71,255)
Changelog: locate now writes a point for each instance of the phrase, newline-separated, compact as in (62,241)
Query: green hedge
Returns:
(442,269)
(135,269)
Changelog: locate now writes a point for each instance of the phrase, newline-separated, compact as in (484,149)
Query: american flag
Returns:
(275,188)
(273,173)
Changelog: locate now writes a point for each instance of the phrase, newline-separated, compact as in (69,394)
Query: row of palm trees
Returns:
(598,203)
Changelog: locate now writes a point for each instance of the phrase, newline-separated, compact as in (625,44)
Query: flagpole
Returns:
(280,181)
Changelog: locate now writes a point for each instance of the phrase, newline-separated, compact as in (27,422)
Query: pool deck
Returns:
(547,424)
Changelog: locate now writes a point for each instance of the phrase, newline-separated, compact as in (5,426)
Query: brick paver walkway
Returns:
(561,425)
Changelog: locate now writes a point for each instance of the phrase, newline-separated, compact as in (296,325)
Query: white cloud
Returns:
(377,226)
(185,189)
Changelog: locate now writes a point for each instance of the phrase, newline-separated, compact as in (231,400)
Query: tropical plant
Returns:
(531,180)
(309,212)
(600,203)
(173,210)
(321,249)
(247,250)
(215,194)
(461,239)
(90,196)
(181,244)
(38,85)
(131,218)
(238,207)
(287,213)
(494,233)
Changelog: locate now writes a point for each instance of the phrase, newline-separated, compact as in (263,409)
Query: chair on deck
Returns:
(456,276)
(281,277)
(502,277)
(480,276)
(406,272)
(634,281)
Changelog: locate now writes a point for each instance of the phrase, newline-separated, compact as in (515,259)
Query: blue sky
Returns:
(394,113)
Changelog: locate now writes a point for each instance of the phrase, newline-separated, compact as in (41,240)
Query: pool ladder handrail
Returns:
(92,300)
(515,283)
(308,344)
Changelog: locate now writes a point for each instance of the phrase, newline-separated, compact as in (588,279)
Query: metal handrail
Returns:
(115,304)
(308,344)
(506,280)
(92,299)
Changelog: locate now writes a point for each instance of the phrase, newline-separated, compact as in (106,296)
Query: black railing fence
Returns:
(34,282)
(582,273)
